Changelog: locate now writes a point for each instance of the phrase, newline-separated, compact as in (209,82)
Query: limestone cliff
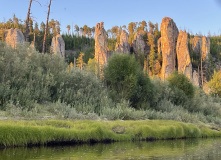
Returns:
(205,49)
(138,44)
(183,55)
(197,45)
(169,34)
(124,46)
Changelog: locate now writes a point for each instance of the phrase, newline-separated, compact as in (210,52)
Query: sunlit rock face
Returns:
(197,45)
(201,46)
(169,35)
(14,36)
(124,46)
(183,55)
(100,44)
(138,44)
(205,49)
(58,45)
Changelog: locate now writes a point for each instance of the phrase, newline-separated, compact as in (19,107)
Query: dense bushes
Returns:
(32,83)
(124,76)
(181,82)
(27,77)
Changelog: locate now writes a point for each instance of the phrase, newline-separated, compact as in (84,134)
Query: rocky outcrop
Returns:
(58,45)
(201,46)
(100,44)
(124,46)
(205,49)
(197,45)
(169,34)
(138,44)
(14,36)
(183,55)
(195,79)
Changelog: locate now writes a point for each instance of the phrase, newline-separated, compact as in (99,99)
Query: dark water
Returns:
(203,149)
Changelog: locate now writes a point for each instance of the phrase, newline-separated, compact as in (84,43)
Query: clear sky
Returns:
(193,15)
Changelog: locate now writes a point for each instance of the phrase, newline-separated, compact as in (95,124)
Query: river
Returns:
(208,149)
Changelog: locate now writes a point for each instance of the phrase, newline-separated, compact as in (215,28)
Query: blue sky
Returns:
(193,15)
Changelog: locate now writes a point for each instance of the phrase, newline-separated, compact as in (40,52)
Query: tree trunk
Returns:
(27,23)
(46,28)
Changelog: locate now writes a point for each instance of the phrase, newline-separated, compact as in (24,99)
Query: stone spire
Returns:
(169,35)
(183,55)
(124,46)
(100,44)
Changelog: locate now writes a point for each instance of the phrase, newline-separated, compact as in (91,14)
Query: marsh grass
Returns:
(23,133)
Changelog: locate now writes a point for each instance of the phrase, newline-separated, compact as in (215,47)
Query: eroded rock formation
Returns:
(14,36)
(201,46)
(205,49)
(58,45)
(169,34)
(138,44)
(197,45)
(183,55)
(100,44)
(124,46)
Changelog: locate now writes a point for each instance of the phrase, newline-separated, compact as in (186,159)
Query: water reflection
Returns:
(207,149)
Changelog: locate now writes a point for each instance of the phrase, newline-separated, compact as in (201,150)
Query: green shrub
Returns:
(215,84)
(124,77)
(181,82)
(121,74)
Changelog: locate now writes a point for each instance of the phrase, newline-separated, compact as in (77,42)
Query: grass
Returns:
(42,132)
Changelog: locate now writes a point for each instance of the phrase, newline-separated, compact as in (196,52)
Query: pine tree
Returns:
(69,28)
(152,59)
(80,61)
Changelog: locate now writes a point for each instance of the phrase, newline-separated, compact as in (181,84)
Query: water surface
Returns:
(208,149)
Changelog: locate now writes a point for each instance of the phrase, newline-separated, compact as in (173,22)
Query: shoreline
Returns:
(19,133)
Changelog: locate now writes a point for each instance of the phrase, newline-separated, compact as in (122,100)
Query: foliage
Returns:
(181,82)
(111,43)
(91,66)
(152,59)
(123,80)
(80,61)
(215,83)
(129,81)
(27,77)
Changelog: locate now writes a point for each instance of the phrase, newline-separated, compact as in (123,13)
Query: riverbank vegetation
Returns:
(23,133)
(35,86)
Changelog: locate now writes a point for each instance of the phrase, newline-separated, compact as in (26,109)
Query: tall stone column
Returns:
(183,55)
(100,44)
(169,35)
